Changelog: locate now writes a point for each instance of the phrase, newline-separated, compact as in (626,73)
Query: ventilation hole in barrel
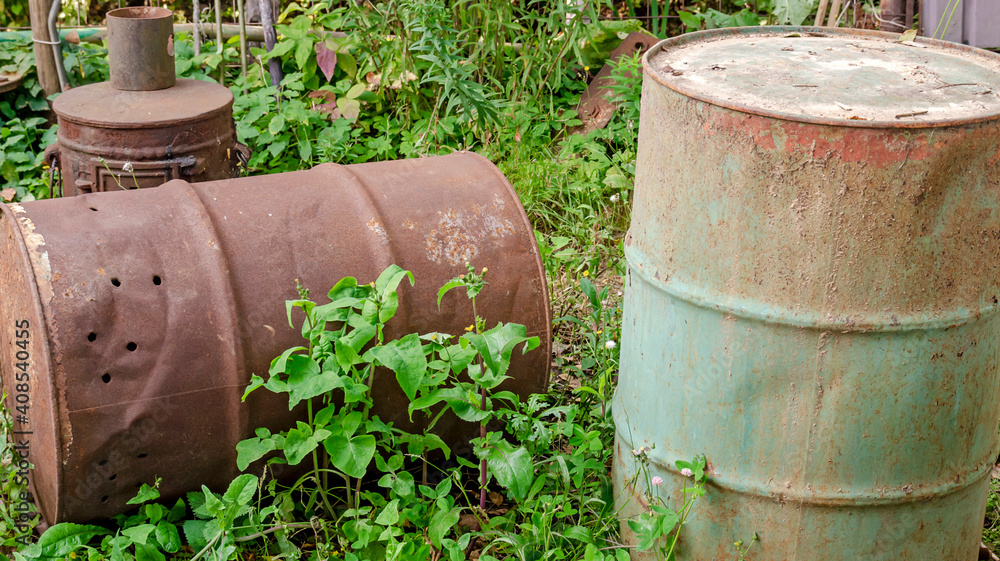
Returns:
(104,499)
(116,282)
(113,477)
(102,463)
(143,455)
(93,209)
(106,378)
(92,337)
(157,280)
(131,346)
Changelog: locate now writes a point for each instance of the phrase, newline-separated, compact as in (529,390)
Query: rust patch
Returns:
(376,227)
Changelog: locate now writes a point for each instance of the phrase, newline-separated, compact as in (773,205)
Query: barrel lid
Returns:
(831,76)
(101,105)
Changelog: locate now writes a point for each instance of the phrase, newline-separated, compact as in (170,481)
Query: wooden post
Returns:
(894,16)
(45,61)
(821,12)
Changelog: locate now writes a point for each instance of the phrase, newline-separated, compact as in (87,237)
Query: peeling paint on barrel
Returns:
(811,302)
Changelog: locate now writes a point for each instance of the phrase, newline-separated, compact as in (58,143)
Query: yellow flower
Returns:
(599,331)
(434,337)
(485,269)
(470,328)
(586,69)
(586,273)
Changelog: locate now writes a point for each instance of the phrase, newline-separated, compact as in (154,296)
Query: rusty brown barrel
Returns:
(813,278)
(143,313)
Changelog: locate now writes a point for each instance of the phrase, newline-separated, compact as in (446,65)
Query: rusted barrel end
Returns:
(141,48)
(149,309)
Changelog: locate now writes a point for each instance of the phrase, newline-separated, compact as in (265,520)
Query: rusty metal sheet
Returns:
(153,307)
(596,106)
(811,301)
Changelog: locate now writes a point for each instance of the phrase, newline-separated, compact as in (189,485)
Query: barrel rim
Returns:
(698,36)
(535,251)
(140,13)
(45,495)
(115,121)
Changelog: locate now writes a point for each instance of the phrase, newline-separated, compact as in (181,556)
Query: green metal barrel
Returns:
(813,280)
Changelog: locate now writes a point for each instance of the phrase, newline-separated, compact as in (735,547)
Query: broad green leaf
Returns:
(323,417)
(167,535)
(177,512)
(349,108)
(512,468)
(301,441)
(401,483)
(60,540)
(353,93)
(346,355)
(792,12)
(348,64)
(154,512)
(346,287)
(349,423)
(453,283)
(388,281)
(213,505)
(441,523)
(139,534)
(351,456)
(148,552)
(146,493)
(255,382)
(588,288)
(363,333)
(303,50)
(496,346)
(689,20)
(390,514)
(277,124)
(194,532)
(405,357)
(241,490)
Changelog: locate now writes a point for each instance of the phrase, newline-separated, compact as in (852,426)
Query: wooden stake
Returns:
(821,12)
(834,14)
(45,61)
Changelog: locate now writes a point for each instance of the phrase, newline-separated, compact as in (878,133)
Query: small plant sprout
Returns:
(488,370)
(658,529)
(127,167)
